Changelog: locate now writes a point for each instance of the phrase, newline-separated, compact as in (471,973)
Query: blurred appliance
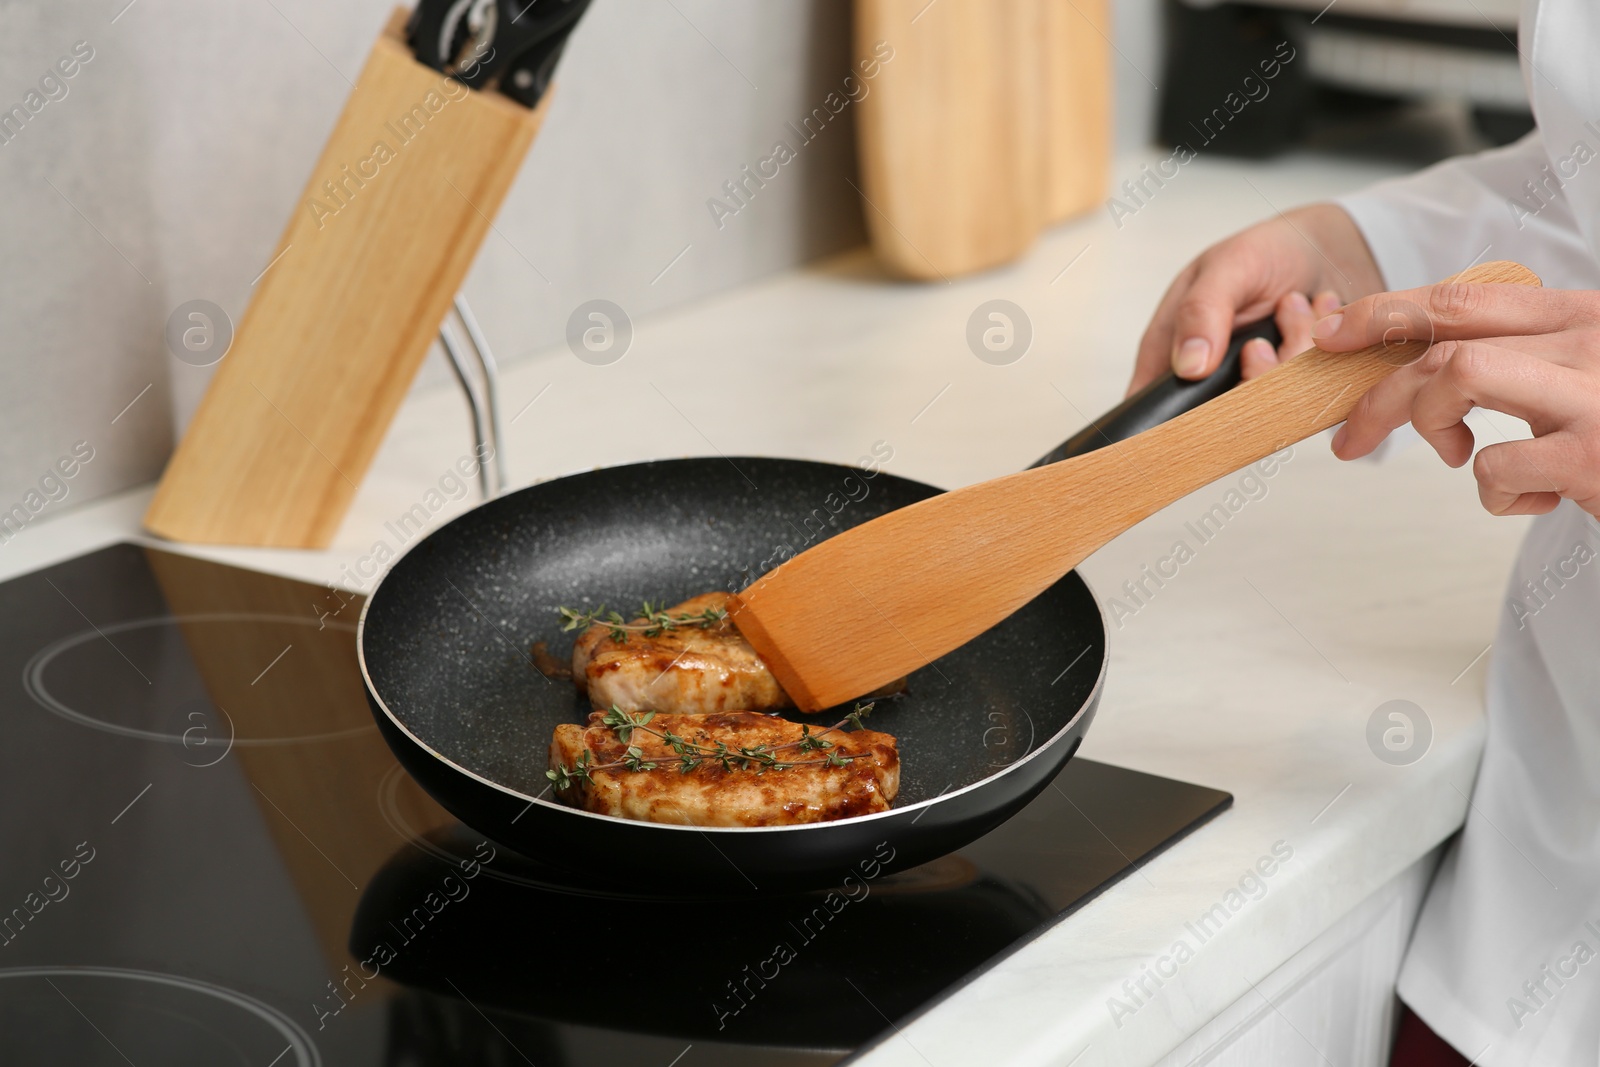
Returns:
(1346,55)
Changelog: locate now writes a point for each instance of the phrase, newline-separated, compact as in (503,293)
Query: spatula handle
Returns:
(1311,392)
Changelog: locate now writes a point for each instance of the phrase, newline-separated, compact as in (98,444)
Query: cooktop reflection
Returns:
(212,858)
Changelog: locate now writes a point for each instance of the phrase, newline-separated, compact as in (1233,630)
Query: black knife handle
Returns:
(528,75)
(1167,397)
(510,45)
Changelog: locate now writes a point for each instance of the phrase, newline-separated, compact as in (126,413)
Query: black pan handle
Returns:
(1167,397)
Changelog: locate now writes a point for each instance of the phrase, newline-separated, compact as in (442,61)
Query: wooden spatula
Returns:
(880,600)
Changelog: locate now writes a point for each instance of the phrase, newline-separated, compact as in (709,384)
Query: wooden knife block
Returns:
(991,121)
(373,254)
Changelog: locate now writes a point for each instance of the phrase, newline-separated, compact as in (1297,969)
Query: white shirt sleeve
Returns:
(1427,226)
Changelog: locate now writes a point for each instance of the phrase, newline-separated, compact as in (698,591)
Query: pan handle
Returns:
(1167,397)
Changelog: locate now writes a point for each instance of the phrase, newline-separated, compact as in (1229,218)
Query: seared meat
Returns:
(811,789)
(689,669)
(683,670)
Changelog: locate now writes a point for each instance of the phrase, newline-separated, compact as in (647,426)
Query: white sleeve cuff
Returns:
(1426,226)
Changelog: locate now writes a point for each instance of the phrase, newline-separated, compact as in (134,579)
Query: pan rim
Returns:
(1089,701)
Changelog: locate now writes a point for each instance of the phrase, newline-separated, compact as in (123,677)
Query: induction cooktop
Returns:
(210,857)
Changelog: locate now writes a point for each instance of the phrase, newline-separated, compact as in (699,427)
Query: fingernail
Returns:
(1190,358)
(1327,327)
(1300,302)
(1338,440)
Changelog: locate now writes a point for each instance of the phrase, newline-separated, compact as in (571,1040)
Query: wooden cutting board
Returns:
(991,121)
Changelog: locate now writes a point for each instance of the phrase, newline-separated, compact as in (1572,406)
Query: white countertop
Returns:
(1254,670)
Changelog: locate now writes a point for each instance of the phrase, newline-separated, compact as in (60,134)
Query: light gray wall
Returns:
(181,148)
(81,288)
(1136,69)
(168,170)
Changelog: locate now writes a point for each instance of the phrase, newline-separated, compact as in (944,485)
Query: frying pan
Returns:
(444,644)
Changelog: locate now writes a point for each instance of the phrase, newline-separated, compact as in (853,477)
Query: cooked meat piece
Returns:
(690,669)
(710,794)
(687,669)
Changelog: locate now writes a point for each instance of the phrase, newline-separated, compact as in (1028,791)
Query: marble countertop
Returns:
(1255,667)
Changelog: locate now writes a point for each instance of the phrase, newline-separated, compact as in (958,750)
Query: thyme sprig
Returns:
(691,754)
(656,620)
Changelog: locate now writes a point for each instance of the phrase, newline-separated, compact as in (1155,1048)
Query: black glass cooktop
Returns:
(208,856)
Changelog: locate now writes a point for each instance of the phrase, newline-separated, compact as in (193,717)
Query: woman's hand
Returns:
(1531,353)
(1268,268)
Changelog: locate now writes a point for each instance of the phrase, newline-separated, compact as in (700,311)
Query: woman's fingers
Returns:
(1294,318)
(1257,357)
(1480,374)
(1323,304)
(1435,392)
(1385,408)
(1530,477)
(1202,321)
(1155,347)
(1298,339)
(1454,311)
(1208,291)
(1523,351)
(1293,315)
(1242,278)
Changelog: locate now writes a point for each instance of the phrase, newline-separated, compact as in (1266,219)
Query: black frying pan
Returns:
(444,647)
